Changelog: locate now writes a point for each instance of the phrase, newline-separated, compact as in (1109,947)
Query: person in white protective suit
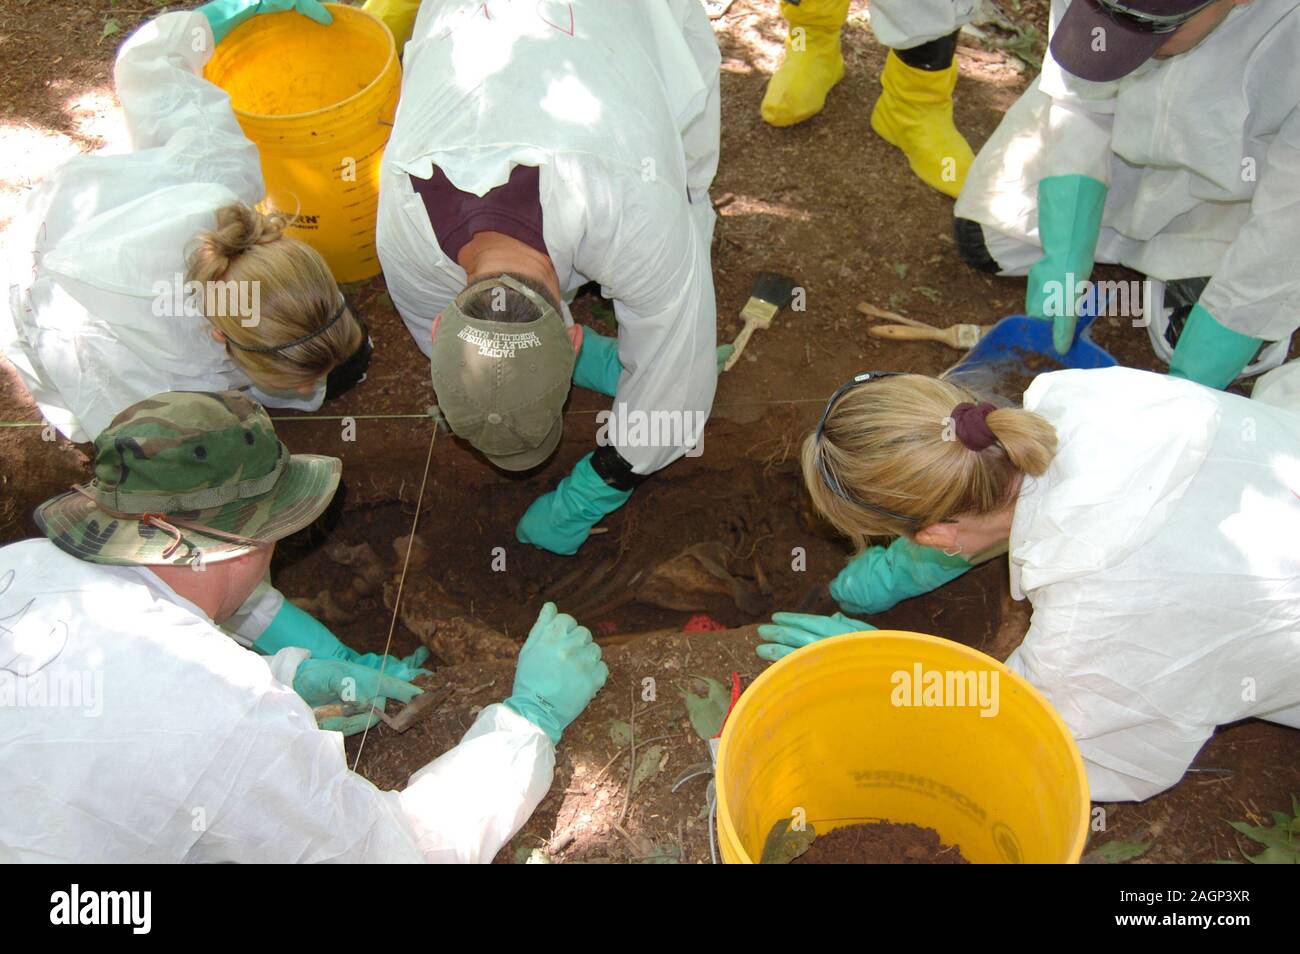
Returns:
(1163,135)
(134,730)
(1151,523)
(538,147)
(149,271)
(914,111)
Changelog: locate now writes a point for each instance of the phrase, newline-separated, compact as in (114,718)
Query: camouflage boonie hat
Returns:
(189,477)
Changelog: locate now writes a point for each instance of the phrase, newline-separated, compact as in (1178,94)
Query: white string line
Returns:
(428,417)
(401,582)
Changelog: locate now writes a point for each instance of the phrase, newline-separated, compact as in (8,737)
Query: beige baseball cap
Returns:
(502,385)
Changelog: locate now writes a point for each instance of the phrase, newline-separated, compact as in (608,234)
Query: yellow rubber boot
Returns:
(813,63)
(914,113)
(398,15)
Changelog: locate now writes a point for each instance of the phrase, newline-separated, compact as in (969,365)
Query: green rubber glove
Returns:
(881,577)
(559,672)
(790,631)
(1210,353)
(562,520)
(296,627)
(598,368)
(323,682)
(1069,222)
(225,15)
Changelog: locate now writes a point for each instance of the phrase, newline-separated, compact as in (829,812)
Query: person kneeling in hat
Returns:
(536,151)
(139,731)
(1162,135)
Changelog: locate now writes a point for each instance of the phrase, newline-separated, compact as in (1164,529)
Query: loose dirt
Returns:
(881,843)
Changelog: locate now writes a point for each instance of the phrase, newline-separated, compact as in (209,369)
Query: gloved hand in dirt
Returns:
(225,15)
(559,672)
(881,577)
(562,520)
(790,631)
(323,682)
(292,626)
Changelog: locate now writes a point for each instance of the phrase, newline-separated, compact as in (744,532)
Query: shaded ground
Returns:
(827,203)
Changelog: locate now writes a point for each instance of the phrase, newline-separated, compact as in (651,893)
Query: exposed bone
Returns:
(325,608)
(420,552)
(364,561)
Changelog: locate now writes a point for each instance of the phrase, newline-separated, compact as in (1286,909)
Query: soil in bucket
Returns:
(881,843)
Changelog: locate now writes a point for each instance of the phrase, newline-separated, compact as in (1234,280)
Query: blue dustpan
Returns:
(1018,348)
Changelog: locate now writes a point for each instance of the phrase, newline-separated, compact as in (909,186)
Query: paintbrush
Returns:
(771,292)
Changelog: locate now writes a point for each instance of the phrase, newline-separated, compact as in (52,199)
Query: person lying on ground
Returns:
(1150,522)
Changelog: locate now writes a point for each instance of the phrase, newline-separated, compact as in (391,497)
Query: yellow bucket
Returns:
(869,727)
(318,102)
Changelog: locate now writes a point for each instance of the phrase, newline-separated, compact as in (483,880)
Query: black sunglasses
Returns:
(823,466)
(1125,15)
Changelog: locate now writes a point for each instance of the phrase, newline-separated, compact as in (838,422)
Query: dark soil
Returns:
(881,843)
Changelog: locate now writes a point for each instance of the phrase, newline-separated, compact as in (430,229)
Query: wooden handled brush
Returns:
(771,292)
(963,337)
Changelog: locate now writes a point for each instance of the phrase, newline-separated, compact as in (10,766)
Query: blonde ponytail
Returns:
(249,260)
(890,448)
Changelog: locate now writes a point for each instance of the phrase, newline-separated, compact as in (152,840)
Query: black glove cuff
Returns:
(932,56)
(610,467)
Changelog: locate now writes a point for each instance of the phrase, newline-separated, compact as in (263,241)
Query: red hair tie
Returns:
(971,422)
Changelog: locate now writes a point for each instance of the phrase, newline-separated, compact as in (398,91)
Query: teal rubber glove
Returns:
(225,15)
(879,578)
(323,682)
(559,672)
(562,520)
(790,631)
(598,368)
(1069,222)
(296,627)
(1210,353)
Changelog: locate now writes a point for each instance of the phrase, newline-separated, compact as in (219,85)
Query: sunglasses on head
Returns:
(1125,15)
(823,466)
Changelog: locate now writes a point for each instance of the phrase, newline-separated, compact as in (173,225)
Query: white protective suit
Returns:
(1201,152)
(903,24)
(617,104)
(1159,553)
(133,730)
(95,318)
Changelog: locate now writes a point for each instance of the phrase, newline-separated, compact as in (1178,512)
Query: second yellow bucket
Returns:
(318,102)
(902,727)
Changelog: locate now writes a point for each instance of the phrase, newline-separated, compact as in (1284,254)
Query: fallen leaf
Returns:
(708,711)
(784,845)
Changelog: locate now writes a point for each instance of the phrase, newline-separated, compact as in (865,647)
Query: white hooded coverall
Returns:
(1201,153)
(95,317)
(617,104)
(133,730)
(1159,553)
